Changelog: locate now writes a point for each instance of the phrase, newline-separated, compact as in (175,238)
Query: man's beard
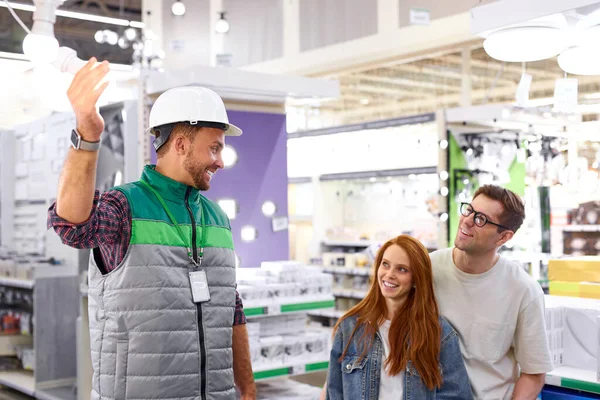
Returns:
(197,171)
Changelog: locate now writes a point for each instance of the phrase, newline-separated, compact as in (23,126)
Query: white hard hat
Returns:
(192,104)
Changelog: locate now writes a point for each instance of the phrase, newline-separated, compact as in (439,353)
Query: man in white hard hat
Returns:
(165,318)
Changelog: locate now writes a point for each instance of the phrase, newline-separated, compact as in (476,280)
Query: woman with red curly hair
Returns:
(393,344)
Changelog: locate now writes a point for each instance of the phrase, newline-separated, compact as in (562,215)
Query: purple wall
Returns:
(259,175)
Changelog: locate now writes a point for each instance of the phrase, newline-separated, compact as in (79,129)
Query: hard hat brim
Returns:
(232,130)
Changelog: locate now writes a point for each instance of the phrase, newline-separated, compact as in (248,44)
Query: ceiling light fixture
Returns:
(524,43)
(178,8)
(580,60)
(222,25)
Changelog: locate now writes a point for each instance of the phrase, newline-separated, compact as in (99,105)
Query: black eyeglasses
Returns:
(480,219)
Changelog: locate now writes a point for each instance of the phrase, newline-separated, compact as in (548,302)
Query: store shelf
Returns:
(59,393)
(18,283)
(581,228)
(286,308)
(350,293)
(574,378)
(290,370)
(8,343)
(22,381)
(348,270)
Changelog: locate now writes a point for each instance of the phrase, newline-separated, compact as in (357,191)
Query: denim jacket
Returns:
(353,380)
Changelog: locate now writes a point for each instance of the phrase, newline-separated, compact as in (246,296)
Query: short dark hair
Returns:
(513,212)
(189,131)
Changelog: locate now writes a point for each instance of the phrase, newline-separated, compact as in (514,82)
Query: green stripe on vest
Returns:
(162,233)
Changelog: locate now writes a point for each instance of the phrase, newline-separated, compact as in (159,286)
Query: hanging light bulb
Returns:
(111,37)
(99,36)
(222,25)
(40,49)
(131,34)
(178,8)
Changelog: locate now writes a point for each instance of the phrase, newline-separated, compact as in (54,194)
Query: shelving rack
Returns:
(55,291)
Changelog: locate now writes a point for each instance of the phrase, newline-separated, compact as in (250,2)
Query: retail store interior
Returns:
(363,120)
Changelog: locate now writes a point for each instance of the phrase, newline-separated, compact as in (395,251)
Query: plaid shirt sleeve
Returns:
(239,318)
(108,228)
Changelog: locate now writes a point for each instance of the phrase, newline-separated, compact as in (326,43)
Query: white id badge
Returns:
(199,284)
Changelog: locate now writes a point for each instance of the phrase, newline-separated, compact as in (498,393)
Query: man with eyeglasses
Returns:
(494,305)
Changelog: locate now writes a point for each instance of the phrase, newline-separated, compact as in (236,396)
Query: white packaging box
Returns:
(317,345)
(271,350)
(294,349)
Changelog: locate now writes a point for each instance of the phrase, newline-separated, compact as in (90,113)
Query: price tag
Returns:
(274,309)
(298,370)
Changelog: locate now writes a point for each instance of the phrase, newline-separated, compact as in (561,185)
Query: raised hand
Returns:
(83,95)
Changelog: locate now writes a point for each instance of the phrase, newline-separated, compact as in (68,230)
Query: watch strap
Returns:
(85,145)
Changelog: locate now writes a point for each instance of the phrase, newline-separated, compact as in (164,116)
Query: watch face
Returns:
(74,139)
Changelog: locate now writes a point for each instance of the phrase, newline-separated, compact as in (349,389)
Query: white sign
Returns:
(419,16)
(565,95)
(224,59)
(280,224)
(177,45)
(522,95)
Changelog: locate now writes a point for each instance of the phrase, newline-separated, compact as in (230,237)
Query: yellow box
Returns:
(590,290)
(579,269)
(569,289)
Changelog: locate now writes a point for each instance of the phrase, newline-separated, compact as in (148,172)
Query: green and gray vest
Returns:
(149,340)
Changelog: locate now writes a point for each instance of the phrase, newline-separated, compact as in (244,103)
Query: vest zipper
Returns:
(199,305)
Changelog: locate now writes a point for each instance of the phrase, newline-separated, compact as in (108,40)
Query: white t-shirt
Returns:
(499,317)
(390,387)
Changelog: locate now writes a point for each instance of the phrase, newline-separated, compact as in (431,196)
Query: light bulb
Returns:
(178,8)
(222,25)
(130,34)
(230,156)
(40,49)
(444,217)
(444,175)
(99,37)
(444,191)
(443,144)
(229,206)
(269,208)
(249,233)
(123,43)
(111,37)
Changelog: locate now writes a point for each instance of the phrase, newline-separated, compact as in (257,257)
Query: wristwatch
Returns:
(79,144)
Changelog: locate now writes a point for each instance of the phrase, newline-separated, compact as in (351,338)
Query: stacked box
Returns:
(575,277)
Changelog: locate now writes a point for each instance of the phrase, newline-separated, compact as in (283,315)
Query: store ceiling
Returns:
(398,88)
(75,33)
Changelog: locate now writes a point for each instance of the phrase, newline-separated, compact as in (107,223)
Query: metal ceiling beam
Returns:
(446,72)
(408,82)
(496,66)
